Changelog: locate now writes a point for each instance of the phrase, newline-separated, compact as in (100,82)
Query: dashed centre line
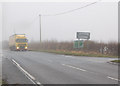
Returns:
(68,56)
(86,70)
(113,78)
(74,67)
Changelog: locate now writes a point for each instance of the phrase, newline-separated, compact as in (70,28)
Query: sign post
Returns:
(81,35)
(78,44)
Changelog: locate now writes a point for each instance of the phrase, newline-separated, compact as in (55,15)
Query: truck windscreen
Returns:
(21,40)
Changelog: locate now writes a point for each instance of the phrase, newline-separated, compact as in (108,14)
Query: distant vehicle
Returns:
(18,42)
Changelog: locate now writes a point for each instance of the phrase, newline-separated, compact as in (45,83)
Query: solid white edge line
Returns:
(38,82)
(74,67)
(30,79)
(29,76)
(112,78)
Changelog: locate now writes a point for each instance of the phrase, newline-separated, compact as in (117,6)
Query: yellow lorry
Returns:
(18,42)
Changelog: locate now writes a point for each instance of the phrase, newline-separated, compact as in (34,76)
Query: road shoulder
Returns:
(12,74)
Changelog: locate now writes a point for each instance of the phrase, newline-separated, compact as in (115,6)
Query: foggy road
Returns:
(88,28)
(47,68)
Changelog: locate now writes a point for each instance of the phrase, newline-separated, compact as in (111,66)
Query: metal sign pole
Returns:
(40,28)
(87,44)
(78,43)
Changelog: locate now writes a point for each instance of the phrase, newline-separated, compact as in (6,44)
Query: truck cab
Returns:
(18,42)
(21,44)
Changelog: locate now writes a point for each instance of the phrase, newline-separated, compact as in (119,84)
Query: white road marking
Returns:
(23,69)
(68,56)
(29,76)
(30,79)
(38,82)
(112,78)
(74,67)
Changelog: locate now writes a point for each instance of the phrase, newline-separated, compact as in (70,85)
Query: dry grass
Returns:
(90,48)
(76,53)
(116,61)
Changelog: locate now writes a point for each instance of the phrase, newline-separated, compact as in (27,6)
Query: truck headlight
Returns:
(25,47)
(17,47)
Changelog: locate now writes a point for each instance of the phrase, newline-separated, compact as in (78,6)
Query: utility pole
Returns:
(40,27)
(14,29)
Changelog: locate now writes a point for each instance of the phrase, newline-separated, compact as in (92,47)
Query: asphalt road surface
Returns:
(48,68)
(0,66)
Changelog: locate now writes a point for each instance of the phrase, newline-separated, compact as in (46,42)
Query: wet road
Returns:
(47,68)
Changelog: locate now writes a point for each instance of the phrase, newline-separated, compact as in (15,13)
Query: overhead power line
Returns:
(61,13)
(72,9)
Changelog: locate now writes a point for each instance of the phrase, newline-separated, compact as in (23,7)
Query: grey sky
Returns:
(101,19)
(0,22)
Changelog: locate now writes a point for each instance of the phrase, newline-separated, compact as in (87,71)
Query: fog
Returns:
(100,19)
(0,26)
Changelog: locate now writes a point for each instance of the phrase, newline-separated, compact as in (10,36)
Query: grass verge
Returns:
(77,53)
(116,61)
(0,82)
(3,82)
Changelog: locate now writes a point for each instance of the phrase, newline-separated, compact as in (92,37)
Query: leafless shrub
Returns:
(110,48)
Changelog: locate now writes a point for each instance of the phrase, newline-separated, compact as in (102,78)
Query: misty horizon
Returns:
(99,19)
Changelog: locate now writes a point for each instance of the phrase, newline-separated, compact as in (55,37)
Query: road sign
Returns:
(78,44)
(83,35)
